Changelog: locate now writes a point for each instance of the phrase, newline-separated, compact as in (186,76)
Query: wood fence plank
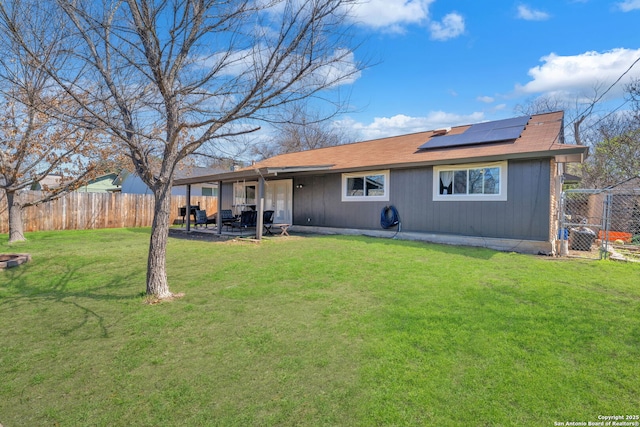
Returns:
(76,211)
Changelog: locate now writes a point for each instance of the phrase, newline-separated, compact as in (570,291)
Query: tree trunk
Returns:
(157,284)
(16,226)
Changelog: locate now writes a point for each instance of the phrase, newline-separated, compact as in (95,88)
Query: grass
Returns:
(336,331)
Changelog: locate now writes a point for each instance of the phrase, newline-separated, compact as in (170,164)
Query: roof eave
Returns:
(575,154)
(250,173)
(226,176)
(568,154)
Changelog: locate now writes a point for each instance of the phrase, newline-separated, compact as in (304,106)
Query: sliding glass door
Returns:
(278,198)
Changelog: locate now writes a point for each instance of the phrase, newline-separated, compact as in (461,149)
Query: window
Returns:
(209,191)
(244,195)
(480,181)
(365,186)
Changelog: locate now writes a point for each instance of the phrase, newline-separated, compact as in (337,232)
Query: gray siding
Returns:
(525,214)
(226,195)
(319,203)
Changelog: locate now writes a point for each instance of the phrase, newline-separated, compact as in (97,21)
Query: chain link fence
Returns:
(600,224)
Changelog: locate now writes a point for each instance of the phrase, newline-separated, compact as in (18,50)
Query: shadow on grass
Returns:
(20,293)
(182,234)
(464,251)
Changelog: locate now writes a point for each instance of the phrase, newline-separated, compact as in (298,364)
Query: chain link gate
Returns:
(598,224)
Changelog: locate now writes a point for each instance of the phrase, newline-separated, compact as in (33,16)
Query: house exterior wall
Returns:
(103,184)
(525,214)
(226,196)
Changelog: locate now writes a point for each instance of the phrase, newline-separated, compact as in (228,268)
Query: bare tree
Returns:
(615,142)
(168,76)
(541,104)
(612,135)
(632,91)
(34,141)
(300,129)
(575,114)
(616,155)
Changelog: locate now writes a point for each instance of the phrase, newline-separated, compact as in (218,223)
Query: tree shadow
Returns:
(464,251)
(20,293)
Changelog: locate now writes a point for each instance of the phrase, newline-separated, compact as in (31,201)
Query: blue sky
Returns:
(444,63)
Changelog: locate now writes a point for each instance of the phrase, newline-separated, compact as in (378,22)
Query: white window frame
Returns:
(383,198)
(500,197)
(240,194)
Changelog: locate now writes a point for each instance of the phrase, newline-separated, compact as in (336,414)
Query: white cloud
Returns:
(391,15)
(395,15)
(452,25)
(629,5)
(341,68)
(233,63)
(528,14)
(401,124)
(578,75)
(486,99)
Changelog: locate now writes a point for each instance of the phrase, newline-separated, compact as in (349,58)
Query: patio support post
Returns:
(260,218)
(188,226)
(219,214)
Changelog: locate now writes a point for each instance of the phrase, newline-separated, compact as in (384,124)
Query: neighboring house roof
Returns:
(49,181)
(542,136)
(132,183)
(197,171)
(102,184)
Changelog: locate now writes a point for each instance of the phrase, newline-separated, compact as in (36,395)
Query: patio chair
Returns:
(267,221)
(248,219)
(227,217)
(202,219)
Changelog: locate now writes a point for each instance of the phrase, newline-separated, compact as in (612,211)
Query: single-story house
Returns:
(494,184)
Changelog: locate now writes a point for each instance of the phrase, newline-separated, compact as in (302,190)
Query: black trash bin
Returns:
(582,239)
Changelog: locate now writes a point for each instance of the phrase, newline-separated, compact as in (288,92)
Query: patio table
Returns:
(283,228)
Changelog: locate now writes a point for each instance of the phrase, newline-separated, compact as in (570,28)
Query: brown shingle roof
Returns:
(542,137)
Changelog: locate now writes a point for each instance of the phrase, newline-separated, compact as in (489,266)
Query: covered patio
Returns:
(211,234)
(251,202)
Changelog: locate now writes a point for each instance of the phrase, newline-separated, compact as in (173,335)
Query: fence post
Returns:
(606,225)
(564,243)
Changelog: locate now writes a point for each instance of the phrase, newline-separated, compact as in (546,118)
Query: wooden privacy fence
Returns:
(80,211)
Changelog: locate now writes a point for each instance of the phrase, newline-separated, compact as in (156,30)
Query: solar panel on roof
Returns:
(447,141)
(498,124)
(481,133)
(504,134)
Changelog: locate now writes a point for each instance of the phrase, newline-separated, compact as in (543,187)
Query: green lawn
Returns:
(313,331)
